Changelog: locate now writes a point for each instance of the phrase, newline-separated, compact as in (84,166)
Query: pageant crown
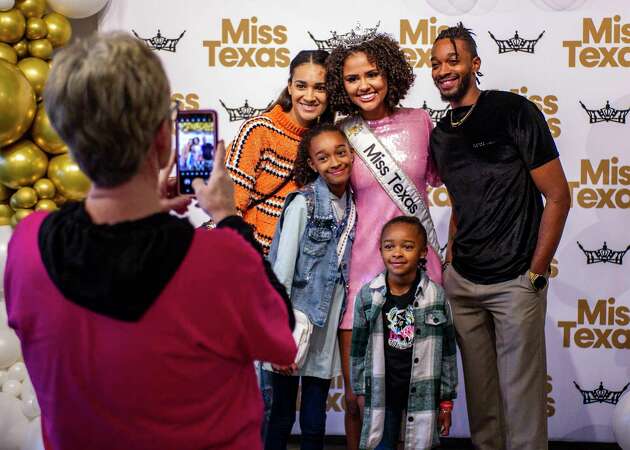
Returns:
(604,255)
(601,394)
(516,43)
(606,114)
(243,112)
(435,114)
(355,36)
(159,42)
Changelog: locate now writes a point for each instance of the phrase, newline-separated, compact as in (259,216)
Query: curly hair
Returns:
(386,54)
(302,171)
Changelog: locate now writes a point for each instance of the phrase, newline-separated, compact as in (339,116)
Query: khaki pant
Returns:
(500,331)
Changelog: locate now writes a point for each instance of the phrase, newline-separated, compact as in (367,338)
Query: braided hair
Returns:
(464,34)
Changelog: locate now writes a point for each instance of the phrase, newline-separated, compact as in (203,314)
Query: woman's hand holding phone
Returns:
(216,197)
(167,185)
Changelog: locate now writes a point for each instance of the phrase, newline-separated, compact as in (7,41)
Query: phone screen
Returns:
(196,140)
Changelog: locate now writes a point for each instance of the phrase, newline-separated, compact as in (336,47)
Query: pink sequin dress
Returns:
(406,135)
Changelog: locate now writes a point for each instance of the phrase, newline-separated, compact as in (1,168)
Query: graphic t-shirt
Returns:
(485,164)
(398,334)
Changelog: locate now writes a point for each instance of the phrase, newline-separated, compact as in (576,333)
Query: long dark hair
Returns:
(303,172)
(318,57)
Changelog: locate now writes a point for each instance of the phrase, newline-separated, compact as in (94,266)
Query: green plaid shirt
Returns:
(434,364)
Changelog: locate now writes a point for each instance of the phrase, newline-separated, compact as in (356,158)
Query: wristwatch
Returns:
(538,281)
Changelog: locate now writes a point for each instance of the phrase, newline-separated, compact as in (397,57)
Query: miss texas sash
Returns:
(390,176)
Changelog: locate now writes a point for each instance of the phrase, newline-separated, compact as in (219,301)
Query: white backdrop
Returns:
(238,51)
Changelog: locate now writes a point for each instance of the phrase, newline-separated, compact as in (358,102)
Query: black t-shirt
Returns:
(485,164)
(398,334)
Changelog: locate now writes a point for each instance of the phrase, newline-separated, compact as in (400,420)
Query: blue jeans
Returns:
(312,412)
(391,430)
(266,389)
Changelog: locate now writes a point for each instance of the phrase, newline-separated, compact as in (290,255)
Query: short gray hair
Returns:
(106,96)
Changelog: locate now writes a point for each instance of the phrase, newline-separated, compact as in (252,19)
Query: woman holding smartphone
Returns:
(261,157)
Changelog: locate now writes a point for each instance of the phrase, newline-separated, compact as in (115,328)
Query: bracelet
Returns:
(446,404)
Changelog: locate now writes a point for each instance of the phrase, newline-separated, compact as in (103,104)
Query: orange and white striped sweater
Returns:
(259,160)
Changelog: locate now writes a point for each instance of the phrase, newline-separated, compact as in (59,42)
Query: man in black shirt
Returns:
(497,158)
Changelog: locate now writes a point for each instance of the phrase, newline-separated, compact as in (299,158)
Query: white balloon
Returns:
(13,424)
(459,7)
(4,319)
(77,9)
(12,387)
(9,348)
(6,5)
(621,422)
(5,232)
(30,405)
(17,372)
(27,385)
(33,439)
(559,5)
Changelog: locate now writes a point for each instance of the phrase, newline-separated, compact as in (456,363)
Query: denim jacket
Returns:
(317,270)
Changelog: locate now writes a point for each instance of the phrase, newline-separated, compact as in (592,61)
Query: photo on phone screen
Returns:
(196,140)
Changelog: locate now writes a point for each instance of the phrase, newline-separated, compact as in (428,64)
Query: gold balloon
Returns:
(5,213)
(21,48)
(40,48)
(59,29)
(17,104)
(68,178)
(59,199)
(5,192)
(36,72)
(36,28)
(19,215)
(22,164)
(12,26)
(25,197)
(31,8)
(46,205)
(45,135)
(45,189)
(8,53)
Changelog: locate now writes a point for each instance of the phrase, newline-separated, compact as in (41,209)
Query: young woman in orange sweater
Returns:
(261,157)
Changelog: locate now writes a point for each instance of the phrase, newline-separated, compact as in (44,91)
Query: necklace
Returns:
(463,119)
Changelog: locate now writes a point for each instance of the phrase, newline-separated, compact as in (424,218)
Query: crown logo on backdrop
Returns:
(159,42)
(355,36)
(604,255)
(516,43)
(244,112)
(601,394)
(606,114)
(435,114)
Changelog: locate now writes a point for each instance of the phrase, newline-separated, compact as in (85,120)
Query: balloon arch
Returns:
(36,173)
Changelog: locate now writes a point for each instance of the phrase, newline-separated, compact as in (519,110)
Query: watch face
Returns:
(540,282)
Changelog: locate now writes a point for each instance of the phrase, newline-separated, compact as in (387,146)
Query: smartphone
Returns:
(196,137)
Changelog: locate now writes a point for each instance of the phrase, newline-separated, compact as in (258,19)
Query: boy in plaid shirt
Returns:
(403,347)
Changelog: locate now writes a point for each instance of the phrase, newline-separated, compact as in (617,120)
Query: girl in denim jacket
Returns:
(310,254)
